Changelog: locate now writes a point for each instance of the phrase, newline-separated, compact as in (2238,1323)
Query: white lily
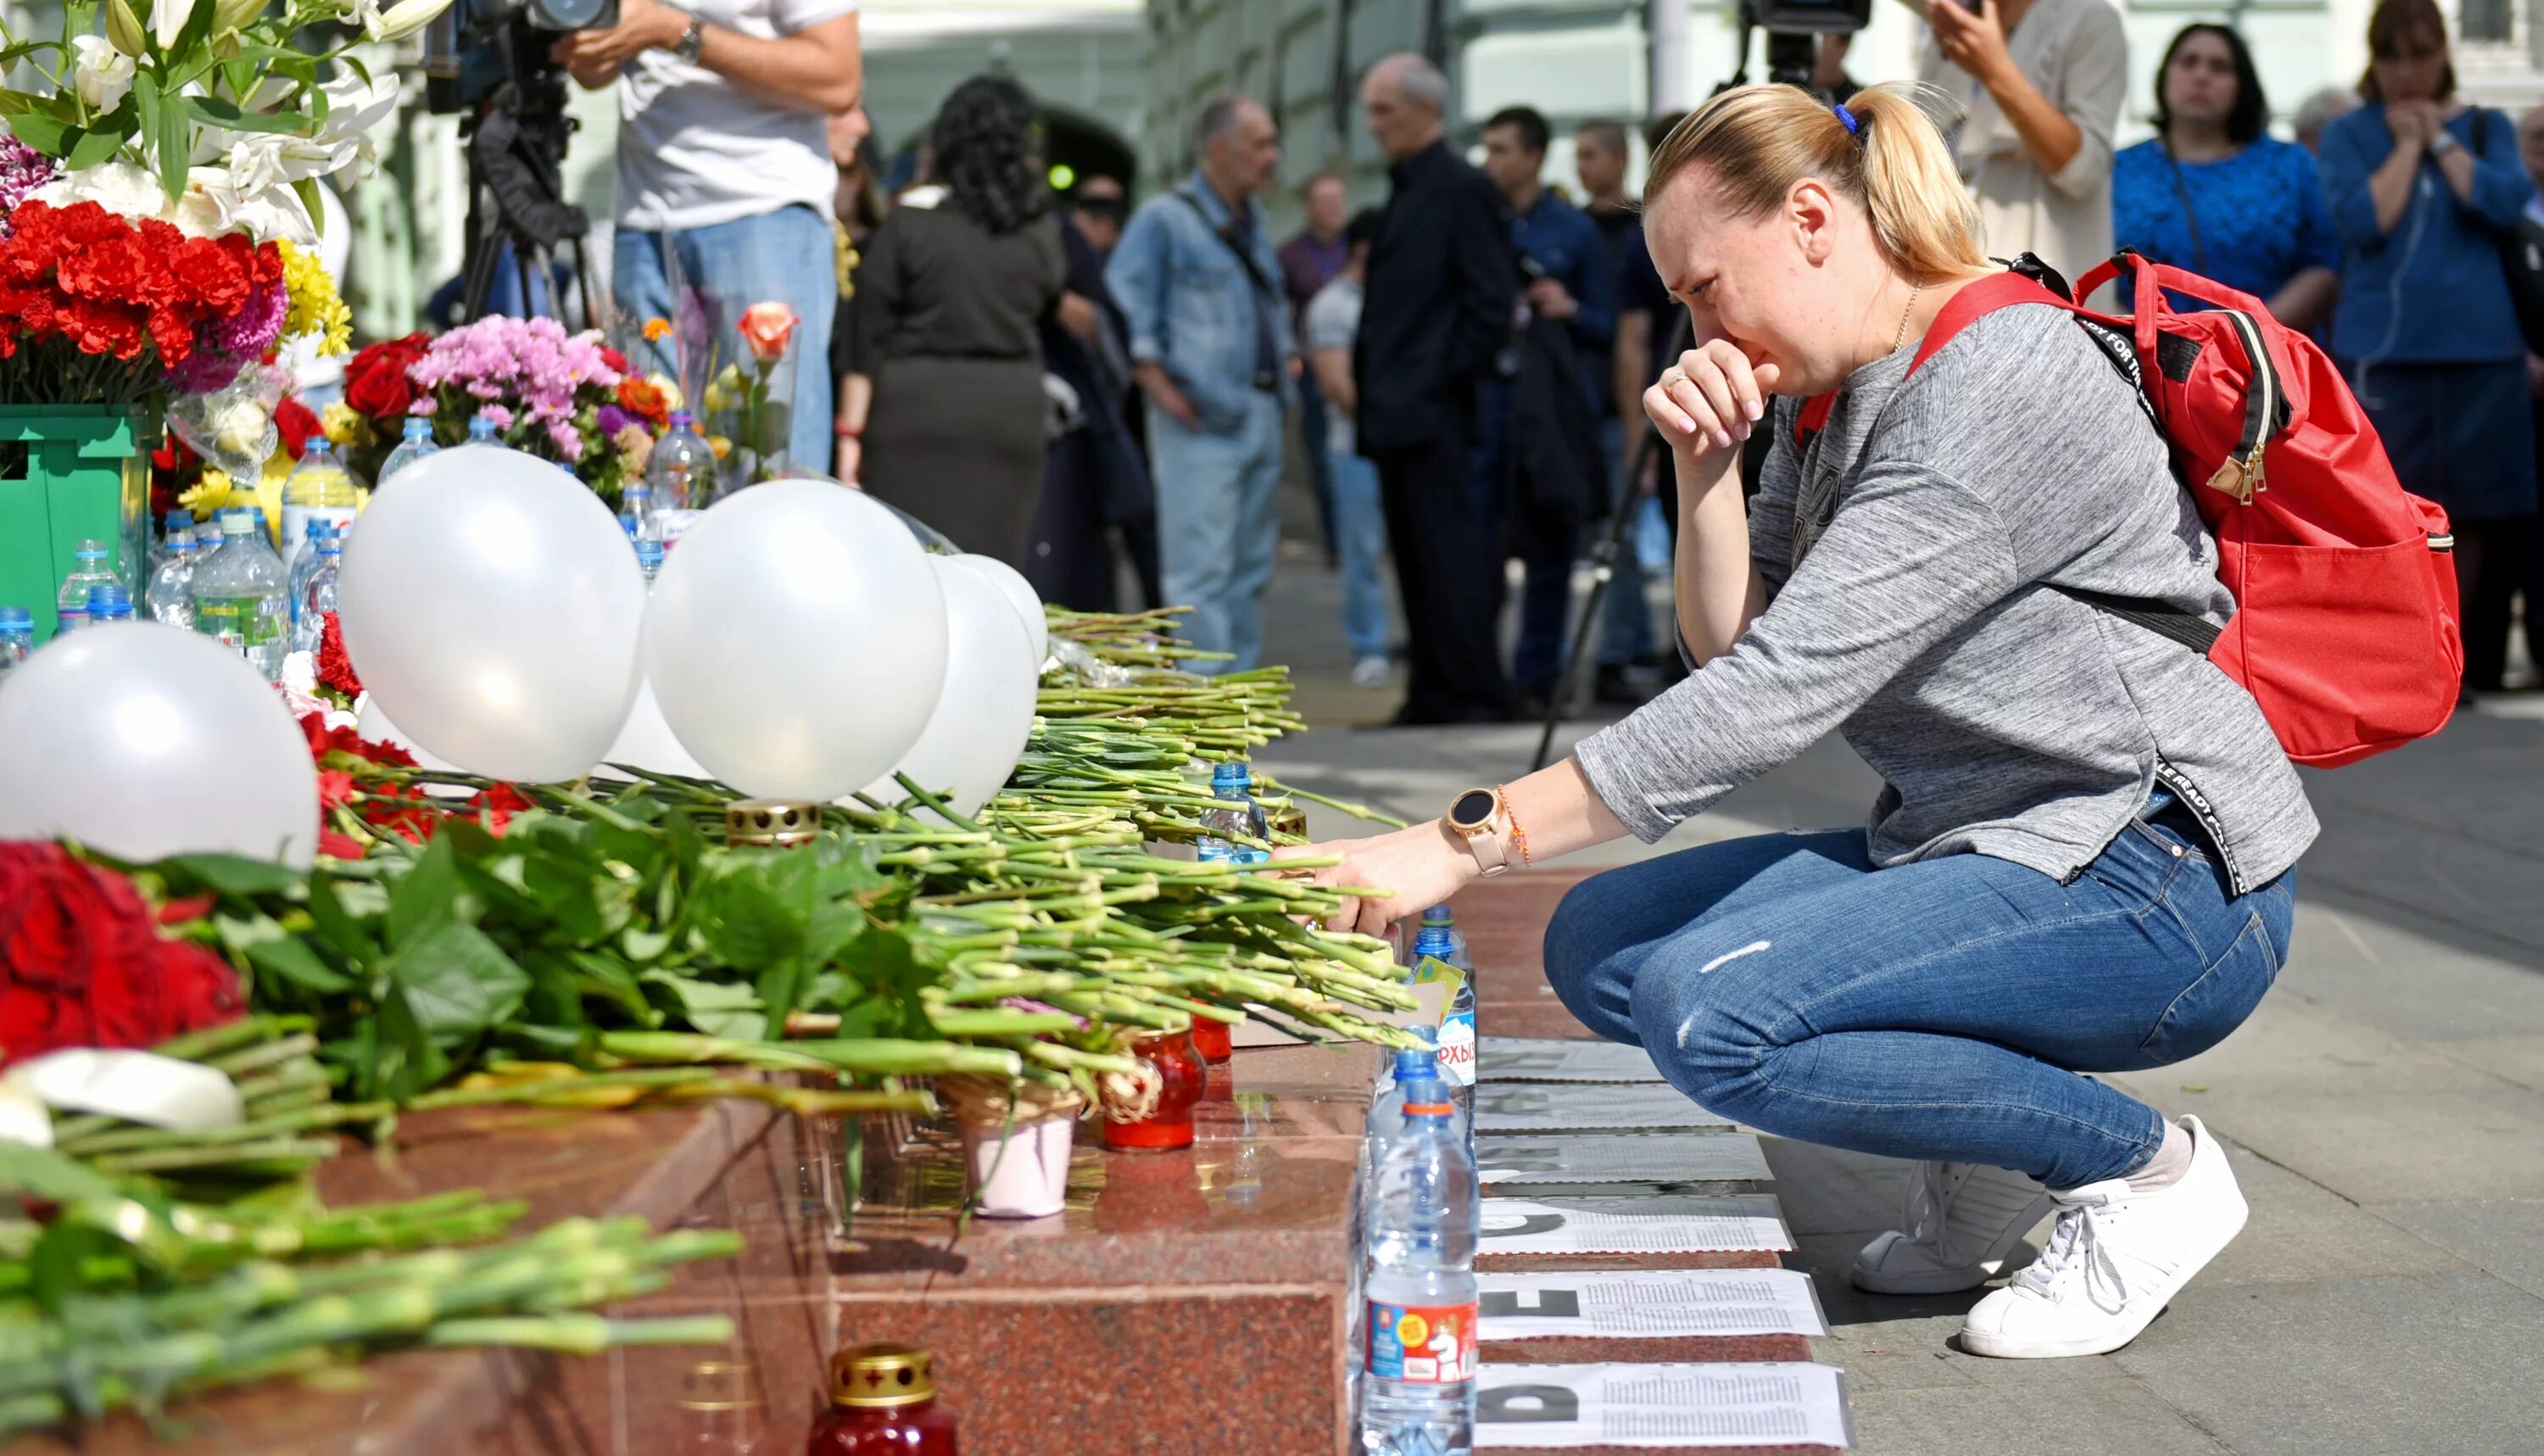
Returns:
(167,18)
(264,209)
(404,18)
(124,188)
(100,73)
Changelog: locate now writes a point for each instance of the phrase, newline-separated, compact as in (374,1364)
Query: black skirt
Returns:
(958,444)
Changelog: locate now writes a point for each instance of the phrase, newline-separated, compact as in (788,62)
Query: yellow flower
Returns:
(657,330)
(670,388)
(345,425)
(207,494)
(315,306)
(721,446)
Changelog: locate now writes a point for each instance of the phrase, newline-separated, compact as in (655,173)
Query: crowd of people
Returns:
(1080,386)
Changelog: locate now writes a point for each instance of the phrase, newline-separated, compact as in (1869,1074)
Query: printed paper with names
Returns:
(1672,1223)
(1548,1058)
(1624,1158)
(1649,1304)
(1570,1406)
(1523,1107)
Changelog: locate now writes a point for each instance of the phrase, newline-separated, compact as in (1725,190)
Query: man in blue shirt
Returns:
(1211,348)
(1568,279)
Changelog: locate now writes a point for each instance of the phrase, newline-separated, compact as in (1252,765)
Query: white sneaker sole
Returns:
(2002,1347)
(1962,1277)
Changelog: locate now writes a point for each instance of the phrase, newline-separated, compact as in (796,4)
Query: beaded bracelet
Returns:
(1518,835)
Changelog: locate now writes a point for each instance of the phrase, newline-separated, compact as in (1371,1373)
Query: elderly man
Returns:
(1211,348)
(1442,283)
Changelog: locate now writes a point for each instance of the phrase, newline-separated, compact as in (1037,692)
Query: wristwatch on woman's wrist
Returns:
(1474,819)
(2442,143)
(691,41)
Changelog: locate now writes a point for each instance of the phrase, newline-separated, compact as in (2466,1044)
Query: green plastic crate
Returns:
(87,474)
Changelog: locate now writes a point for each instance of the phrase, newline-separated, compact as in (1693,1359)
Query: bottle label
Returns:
(1457,1044)
(1422,1343)
(244,621)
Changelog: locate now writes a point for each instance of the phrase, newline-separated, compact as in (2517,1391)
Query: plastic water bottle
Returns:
(317,599)
(1438,940)
(636,511)
(682,467)
(415,442)
(17,636)
(177,521)
(92,565)
(302,563)
(1236,814)
(481,430)
(1418,1332)
(319,488)
(207,539)
(649,559)
(239,597)
(109,603)
(171,592)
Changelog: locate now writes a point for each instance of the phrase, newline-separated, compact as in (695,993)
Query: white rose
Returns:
(100,73)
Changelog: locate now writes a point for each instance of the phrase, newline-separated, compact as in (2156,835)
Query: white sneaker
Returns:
(1959,1223)
(1371,671)
(2114,1261)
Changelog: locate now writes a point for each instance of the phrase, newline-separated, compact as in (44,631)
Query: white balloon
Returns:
(1012,584)
(985,712)
(647,741)
(491,605)
(376,727)
(146,740)
(796,640)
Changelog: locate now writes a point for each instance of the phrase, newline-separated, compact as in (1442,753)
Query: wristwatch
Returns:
(2443,143)
(1475,817)
(691,41)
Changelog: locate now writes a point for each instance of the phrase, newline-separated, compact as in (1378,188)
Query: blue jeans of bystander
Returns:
(1360,540)
(1625,617)
(1218,523)
(779,257)
(1939,1010)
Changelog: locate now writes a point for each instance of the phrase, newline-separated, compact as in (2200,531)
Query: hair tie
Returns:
(1847,118)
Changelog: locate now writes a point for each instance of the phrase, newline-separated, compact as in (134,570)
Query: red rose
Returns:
(376,379)
(297,424)
(336,844)
(498,804)
(81,963)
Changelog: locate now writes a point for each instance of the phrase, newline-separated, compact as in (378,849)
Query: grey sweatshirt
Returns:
(2005,719)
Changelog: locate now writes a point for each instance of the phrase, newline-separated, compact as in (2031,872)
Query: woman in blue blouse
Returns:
(2213,194)
(2423,190)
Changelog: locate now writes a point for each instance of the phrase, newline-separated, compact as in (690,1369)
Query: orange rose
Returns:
(766,327)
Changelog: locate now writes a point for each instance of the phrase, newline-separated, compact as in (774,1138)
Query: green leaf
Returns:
(456,982)
(46,133)
(95,146)
(53,1177)
(429,892)
(715,1007)
(306,189)
(291,959)
(232,876)
(748,915)
(777,986)
(213,111)
(337,926)
(404,1060)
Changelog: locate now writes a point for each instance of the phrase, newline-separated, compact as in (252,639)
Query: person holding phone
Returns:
(2081,858)
(2036,87)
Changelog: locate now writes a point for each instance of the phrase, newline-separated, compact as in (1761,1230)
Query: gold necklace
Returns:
(1906,314)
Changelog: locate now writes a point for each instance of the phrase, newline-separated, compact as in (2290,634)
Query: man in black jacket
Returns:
(1441,280)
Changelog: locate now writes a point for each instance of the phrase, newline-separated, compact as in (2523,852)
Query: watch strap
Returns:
(692,41)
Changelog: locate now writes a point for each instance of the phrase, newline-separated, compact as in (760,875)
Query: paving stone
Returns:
(2408,973)
(2401,1147)
(2361,1367)
(2505,1239)
(2299,1231)
(2107,1419)
(2292,1049)
(2518,1059)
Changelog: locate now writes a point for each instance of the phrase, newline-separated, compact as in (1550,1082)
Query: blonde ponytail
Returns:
(1757,141)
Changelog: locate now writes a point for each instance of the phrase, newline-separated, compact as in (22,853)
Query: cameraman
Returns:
(723,155)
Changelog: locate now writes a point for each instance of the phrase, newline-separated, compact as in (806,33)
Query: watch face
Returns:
(1474,808)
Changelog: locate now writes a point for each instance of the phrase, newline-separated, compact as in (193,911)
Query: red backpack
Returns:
(2345,629)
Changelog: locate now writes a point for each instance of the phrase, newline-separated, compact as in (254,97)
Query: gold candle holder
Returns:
(777,824)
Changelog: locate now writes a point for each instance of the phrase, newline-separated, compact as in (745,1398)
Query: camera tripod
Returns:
(515,148)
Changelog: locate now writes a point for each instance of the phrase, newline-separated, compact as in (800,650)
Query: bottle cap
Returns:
(177,519)
(681,420)
(881,1375)
(417,427)
(1415,1062)
(91,547)
(720,1385)
(1231,775)
(1438,914)
(12,617)
(108,596)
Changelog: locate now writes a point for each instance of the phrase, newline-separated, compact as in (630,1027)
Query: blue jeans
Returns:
(1360,540)
(1625,617)
(782,257)
(1218,521)
(1314,419)
(1938,1009)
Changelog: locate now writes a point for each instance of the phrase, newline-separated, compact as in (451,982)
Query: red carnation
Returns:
(209,274)
(335,668)
(81,964)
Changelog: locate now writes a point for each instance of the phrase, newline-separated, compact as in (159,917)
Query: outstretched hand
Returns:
(1422,865)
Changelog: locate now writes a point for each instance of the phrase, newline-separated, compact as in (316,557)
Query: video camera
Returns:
(1793,29)
(473,47)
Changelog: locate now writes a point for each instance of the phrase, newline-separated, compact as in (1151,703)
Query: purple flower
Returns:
(22,169)
(569,441)
(611,419)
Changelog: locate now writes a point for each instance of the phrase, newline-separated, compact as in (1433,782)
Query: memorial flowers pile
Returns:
(564,397)
(83,961)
